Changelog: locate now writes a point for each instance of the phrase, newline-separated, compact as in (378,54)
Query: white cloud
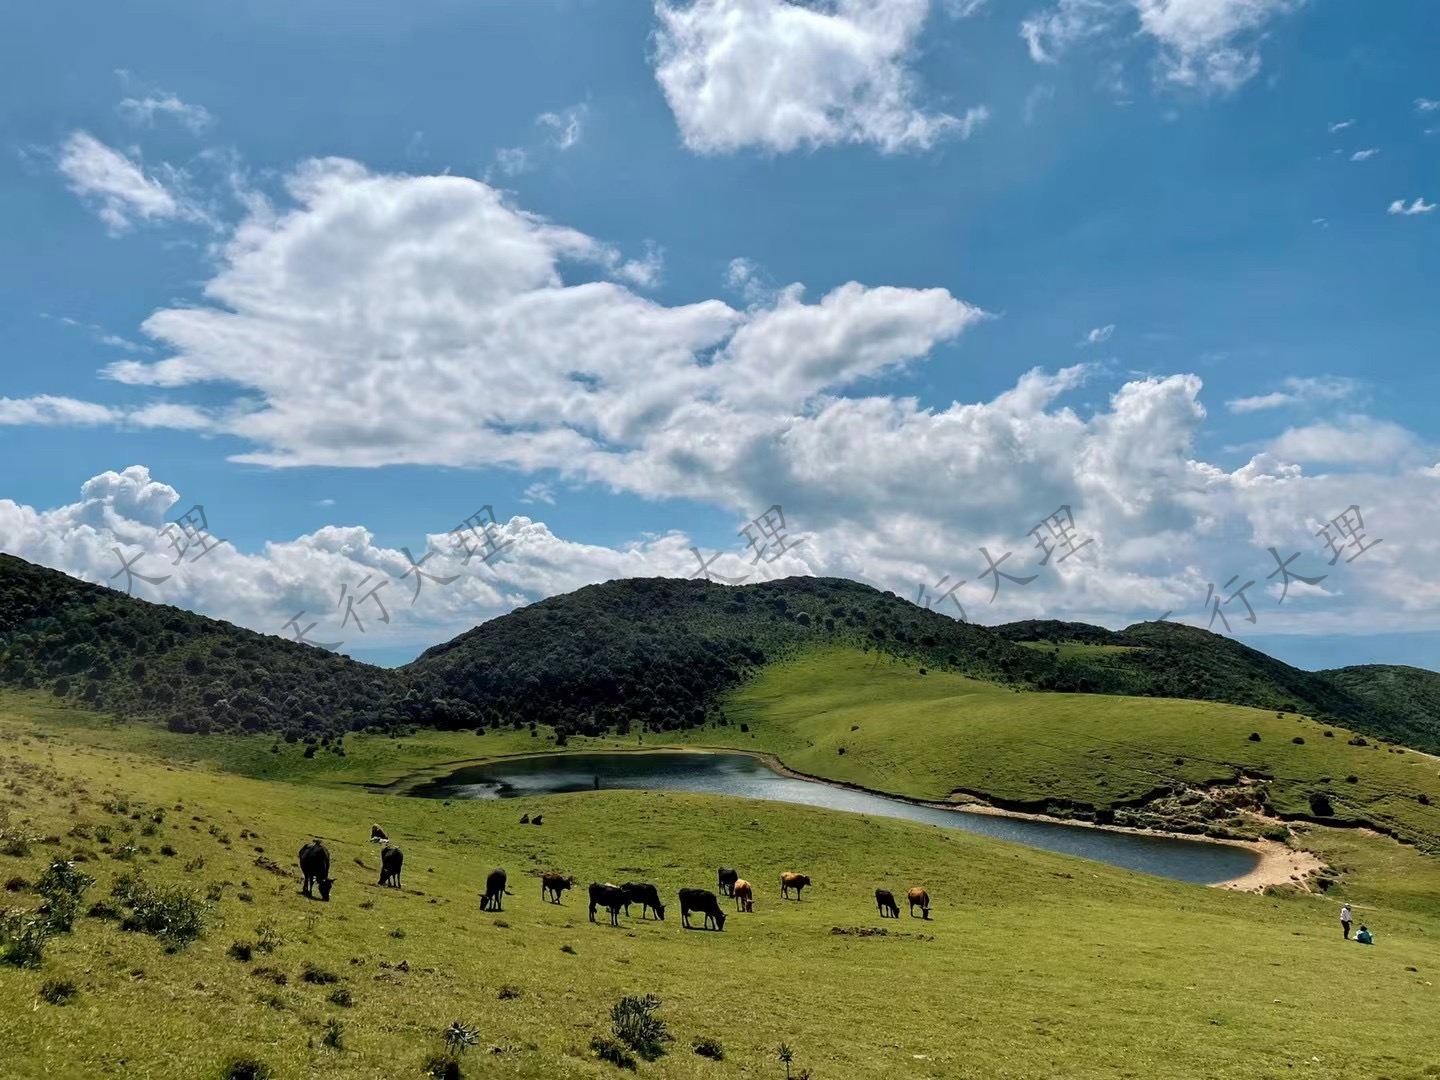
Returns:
(539,492)
(1341,125)
(1034,99)
(1359,440)
(1419,206)
(1206,44)
(1322,222)
(1298,391)
(1425,105)
(118,187)
(382,319)
(1363,155)
(143,110)
(1097,336)
(47,410)
(781,76)
(566,127)
(512,160)
(746,277)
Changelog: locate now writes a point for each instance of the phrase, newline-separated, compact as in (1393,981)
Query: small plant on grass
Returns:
(709,1048)
(398,932)
(508,993)
(103,834)
(195,865)
(568,949)
(59,991)
(170,913)
(458,1038)
(168,850)
(613,1051)
(341,997)
(334,1034)
(245,1069)
(634,1023)
(267,938)
(318,976)
(240,950)
(17,884)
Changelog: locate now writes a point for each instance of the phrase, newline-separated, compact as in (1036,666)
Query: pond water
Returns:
(721,773)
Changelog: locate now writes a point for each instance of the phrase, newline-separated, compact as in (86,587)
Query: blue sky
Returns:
(344,272)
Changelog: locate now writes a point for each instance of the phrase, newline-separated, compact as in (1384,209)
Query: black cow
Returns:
(494,890)
(703,901)
(536,819)
(726,881)
(315,868)
(552,885)
(391,859)
(885,901)
(610,897)
(646,895)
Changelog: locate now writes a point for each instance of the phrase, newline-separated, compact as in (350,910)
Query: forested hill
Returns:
(659,652)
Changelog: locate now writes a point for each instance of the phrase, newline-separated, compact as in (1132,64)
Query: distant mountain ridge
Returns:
(654,652)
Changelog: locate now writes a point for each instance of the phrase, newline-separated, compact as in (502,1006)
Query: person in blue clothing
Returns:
(1364,937)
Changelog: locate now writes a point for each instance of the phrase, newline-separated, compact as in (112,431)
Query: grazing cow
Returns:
(377,835)
(726,881)
(315,868)
(494,890)
(391,859)
(744,895)
(793,881)
(919,898)
(552,885)
(885,901)
(524,819)
(610,897)
(703,901)
(535,820)
(647,896)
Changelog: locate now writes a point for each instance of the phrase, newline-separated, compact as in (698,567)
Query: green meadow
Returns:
(1033,964)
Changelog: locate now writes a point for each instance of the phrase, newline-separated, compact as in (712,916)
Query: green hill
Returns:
(659,653)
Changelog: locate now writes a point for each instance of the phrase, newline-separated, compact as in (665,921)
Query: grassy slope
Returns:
(1035,964)
(928,735)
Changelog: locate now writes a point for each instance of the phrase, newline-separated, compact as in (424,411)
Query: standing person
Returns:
(1345,921)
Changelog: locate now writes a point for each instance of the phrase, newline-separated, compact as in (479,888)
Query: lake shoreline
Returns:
(1279,863)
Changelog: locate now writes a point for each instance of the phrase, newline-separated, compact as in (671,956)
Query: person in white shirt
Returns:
(1345,921)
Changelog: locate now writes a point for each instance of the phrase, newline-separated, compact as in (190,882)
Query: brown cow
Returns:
(885,901)
(918,897)
(793,881)
(744,895)
(552,885)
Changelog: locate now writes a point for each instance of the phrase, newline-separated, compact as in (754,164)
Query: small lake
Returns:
(722,773)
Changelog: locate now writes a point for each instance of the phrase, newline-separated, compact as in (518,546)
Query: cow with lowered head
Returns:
(885,901)
(494,891)
(391,859)
(315,869)
(704,902)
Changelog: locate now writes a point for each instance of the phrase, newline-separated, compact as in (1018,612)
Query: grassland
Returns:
(1034,964)
(929,736)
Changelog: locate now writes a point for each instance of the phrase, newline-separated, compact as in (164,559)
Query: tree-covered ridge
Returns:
(654,652)
(100,648)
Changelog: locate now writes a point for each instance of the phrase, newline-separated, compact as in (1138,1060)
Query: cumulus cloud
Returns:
(1097,336)
(118,187)
(1297,391)
(1361,440)
(1419,206)
(779,75)
(1210,45)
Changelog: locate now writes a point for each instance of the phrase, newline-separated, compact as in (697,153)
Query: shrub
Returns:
(245,1069)
(1423,799)
(570,949)
(342,998)
(1329,734)
(508,993)
(17,884)
(1254,736)
(1320,804)
(62,886)
(59,991)
(634,1023)
(101,910)
(22,938)
(744,727)
(1352,779)
(334,1034)
(170,913)
(1298,741)
(442,1067)
(103,834)
(240,950)
(398,932)
(709,1048)
(267,938)
(1358,740)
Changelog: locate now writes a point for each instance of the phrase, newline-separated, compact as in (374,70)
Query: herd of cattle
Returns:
(315,871)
